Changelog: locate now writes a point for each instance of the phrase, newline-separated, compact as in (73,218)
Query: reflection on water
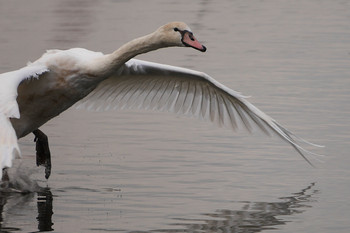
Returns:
(15,196)
(45,212)
(252,217)
(14,204)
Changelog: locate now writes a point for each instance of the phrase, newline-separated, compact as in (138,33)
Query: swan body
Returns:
(31,96)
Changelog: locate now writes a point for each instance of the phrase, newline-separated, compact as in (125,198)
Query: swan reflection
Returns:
(45,212)
(253,216)
(13,203)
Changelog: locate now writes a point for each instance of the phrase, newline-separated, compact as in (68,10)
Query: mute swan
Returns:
(32,95)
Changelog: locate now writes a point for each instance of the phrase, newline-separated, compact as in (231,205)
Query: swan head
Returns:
(180,35)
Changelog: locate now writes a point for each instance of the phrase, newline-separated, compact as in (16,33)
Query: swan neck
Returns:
(129,50)
(138,46)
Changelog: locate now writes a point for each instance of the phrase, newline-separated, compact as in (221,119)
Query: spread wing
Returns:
(152,86)
(9,109)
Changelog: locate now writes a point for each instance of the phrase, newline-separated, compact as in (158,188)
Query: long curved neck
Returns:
(111,62)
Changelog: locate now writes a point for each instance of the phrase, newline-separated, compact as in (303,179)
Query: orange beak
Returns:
(189,40)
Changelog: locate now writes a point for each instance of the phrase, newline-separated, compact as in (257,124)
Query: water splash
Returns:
(20,181)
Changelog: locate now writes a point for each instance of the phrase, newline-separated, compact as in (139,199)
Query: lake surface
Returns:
(134,171)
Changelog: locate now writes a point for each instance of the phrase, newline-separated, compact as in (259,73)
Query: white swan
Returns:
(60,78)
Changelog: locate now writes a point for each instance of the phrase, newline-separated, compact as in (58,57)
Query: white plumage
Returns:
(9,109)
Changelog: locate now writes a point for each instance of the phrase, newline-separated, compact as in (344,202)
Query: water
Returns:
(131,171)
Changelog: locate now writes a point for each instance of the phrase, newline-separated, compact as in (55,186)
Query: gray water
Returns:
(132,171)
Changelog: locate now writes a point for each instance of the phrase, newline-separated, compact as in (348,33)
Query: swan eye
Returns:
(176,29)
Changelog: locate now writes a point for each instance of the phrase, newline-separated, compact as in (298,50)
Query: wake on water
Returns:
(20,181)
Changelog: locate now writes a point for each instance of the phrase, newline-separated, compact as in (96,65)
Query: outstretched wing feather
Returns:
(152,86)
